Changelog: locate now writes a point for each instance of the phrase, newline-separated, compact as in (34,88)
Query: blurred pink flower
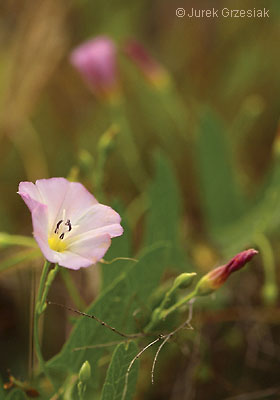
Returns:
(215,278)
(150,68)
(96,62)
(71,228)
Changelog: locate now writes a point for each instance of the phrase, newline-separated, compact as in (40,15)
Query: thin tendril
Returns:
(125,335)
(133,361)
(101,345)
(168,336)
(117,259)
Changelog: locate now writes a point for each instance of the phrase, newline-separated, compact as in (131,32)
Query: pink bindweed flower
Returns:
(71,228)
(150,68)
(215,278)
(96,62)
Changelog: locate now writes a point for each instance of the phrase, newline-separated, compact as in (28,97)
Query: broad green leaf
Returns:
(219,197)
(120,247)
(115,306)
(7,240)
(165,211)
(264,217)
(116,374)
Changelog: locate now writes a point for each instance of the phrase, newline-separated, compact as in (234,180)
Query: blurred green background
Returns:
(195,161)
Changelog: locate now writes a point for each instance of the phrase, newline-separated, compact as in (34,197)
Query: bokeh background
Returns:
(202,118)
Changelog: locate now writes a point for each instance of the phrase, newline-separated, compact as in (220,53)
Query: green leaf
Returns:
(263,217)
(116,374)
(120,247)
(219,195)
(7,240)
(165,211)
(115,306)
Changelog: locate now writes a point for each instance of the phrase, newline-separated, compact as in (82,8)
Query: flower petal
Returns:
(78,200)
(96,217)
(90,231)
(85,252)
(30,194)
(59,194)
(40,232)
(113,230)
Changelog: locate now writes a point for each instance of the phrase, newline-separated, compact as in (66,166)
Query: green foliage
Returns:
(115,306)
(120,247)
(115,379)
(218,192)
(165,211)
(262,217)
(50,120)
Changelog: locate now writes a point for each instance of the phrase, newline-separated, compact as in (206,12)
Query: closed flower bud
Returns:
(96,62)
(151,69)
(215,278)
(184,280)
(85,372)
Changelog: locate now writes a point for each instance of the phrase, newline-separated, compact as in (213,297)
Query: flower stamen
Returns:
(57,226)
(68,223)
(55,242)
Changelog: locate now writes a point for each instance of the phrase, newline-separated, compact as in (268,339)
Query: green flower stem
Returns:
(177,305)
(37,315)
(44,285)
(270,289)
(37,345)
(72,290)
(167,298)
(160,314)
(48,284)
(42,281)
(81,390)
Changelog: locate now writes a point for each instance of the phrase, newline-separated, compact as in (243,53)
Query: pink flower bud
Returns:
(96,62)
(150,68)
(215,278)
